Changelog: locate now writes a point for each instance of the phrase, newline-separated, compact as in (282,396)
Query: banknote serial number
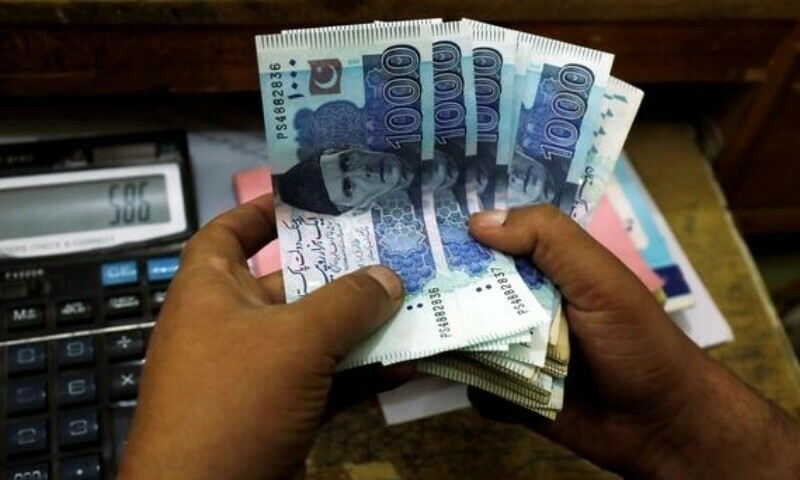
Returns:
(439,313)
(277,102)
(508,290)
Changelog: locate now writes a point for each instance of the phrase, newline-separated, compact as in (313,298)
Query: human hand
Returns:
(237,383)
(642,399)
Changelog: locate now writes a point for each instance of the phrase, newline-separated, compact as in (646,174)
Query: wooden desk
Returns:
(460,445)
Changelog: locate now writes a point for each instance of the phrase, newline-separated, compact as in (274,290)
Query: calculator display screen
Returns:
(75,211)
(75,207)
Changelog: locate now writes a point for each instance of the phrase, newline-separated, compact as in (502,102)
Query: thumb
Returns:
(590,277)
(347,310)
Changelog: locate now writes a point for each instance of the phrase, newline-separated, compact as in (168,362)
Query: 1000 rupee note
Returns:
(558,109)
(347,164)
(617,111)
(560,100)
(346,115)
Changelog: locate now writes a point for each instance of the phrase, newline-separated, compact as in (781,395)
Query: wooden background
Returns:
(141,47)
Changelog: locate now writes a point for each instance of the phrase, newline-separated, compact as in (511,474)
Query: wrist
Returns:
(724,429)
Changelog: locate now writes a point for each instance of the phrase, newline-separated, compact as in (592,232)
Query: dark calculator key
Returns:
(28,357)
(157,298)
(39,286)
(13,291)
(128,344)
(26,436)
(74,311)
(121,422)
(81,468)
(126,304)
(26,395)
(75,351)
(28,316)
(78,428)
(125,381)
(39,471)
(77,388)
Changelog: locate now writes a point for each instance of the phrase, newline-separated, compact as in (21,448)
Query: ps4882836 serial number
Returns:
(277,102)
(439,313)
(508,291)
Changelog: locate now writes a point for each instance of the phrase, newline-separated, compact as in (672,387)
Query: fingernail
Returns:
(388,280)
(490,218)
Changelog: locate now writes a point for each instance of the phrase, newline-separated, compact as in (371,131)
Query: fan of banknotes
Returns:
(383,138)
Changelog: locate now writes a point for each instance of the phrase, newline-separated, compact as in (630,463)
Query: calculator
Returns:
(91,231)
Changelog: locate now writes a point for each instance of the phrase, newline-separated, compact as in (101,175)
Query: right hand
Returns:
(641,398)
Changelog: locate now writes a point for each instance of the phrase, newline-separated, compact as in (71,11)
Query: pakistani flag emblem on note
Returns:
(325,76)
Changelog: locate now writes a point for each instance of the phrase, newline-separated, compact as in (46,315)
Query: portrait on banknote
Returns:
(530,181)
(339,180)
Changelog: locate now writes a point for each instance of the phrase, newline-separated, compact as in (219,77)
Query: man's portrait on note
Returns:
(337,181)
(352,179)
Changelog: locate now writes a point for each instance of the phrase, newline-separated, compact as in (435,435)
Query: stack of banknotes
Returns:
(383,138)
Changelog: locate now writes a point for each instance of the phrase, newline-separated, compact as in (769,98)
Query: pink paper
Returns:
(607,228)
(249,184)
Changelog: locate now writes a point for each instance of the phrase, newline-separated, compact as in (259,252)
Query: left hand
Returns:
(236,382)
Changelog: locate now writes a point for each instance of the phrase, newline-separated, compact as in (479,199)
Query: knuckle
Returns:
(549,217)
(187,253)
(548,212)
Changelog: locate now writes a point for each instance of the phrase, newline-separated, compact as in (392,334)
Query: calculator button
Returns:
(122,305)
(125,381)
(13,291)
(76,388)
(30,357)
(119,273)
(81,468)
(123,345)
(28,316)
(157,298)
(78,428)
(162,269)
(121,423)
(75,351)
(26,395)
(26,436)
(74,311)
(39,471)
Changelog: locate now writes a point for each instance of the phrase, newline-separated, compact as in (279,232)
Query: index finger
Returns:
(236,234)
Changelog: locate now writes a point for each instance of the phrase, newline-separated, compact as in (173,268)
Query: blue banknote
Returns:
(344,119)
(494,56)
(349,117)
(558,111)
(343,154)
(445,177)
(559,102)
(617,111)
